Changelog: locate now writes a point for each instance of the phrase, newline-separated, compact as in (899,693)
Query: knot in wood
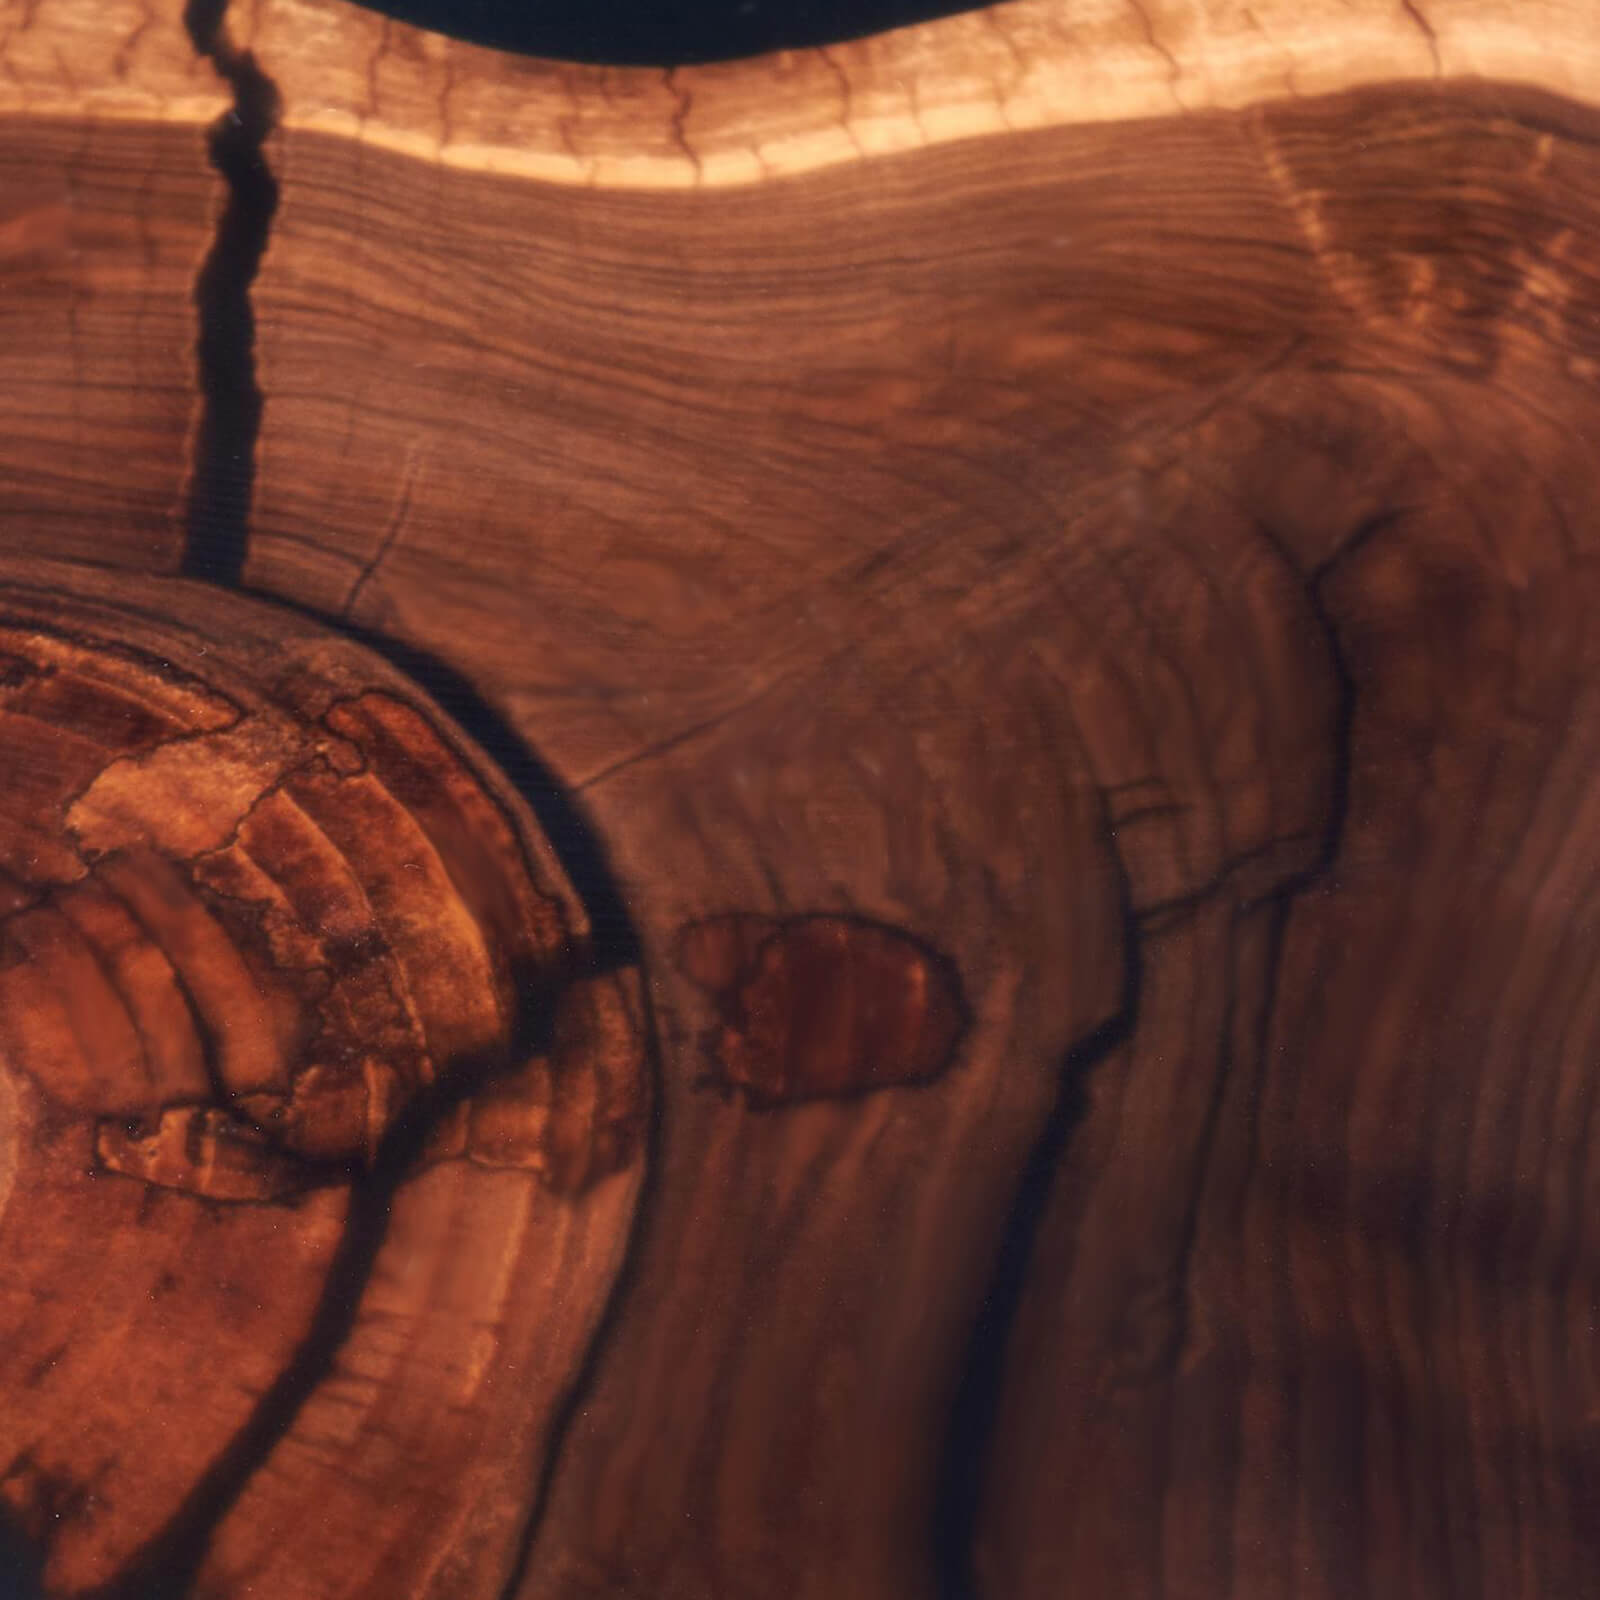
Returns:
(261,904)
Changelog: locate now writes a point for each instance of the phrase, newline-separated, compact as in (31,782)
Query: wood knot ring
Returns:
(308,1071)
(260,902)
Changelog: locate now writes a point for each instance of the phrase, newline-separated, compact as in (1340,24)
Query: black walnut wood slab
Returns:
(992,629)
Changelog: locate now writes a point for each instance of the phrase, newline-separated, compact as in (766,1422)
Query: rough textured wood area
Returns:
(861,857)
(292,1003)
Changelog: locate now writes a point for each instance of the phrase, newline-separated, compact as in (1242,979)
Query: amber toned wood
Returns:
(313,1087)
(1025,587)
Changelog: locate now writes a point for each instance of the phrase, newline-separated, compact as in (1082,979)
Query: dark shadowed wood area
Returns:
(827,827)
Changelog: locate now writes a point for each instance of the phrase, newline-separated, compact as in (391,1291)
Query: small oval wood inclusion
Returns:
(820,1006)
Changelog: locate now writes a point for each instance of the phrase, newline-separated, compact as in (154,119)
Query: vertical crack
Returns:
(217,533)
(970,1427)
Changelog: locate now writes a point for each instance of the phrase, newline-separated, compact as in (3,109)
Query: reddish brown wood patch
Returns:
(816,1006)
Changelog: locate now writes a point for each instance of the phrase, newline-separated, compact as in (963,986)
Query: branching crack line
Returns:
(1426,29)
(683,104)
(970,1431)
(1280,900)
(391,534)
(223,477)
(847,120)
(1174,68)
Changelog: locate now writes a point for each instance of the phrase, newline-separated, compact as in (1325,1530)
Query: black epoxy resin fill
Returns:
(662,33)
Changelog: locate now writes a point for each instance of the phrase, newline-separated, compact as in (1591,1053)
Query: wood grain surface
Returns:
(1024,591)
